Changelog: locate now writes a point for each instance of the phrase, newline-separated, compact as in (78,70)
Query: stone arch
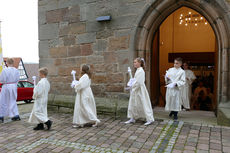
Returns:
(215,11)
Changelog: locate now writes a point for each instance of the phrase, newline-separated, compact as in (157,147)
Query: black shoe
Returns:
(171,113)
(16,118)
(39,127)
(175,116)
(2,119)
(49,124)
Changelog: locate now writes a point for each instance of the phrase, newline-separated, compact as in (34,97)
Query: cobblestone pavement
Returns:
(113,136)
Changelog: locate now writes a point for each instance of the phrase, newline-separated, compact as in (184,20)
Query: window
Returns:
(20,85)
(27,84)
(22,71)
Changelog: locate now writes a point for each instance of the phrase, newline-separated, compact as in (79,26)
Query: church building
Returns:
(108,35)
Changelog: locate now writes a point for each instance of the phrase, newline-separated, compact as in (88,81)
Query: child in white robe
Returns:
(187,90)
(8,96)
(139,101)
(39,113)
(175,80)
(85,107)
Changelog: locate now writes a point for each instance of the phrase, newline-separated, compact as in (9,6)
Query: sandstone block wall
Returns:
(70,36)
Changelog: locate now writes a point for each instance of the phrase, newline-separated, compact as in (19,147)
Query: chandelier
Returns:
(192,19)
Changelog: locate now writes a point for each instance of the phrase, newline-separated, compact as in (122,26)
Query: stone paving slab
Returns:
(113,136)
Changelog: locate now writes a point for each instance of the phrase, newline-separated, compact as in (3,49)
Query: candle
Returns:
(34,79)
(130,72)
(74,73)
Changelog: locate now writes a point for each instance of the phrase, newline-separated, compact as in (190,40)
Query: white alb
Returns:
(139,101)
(187,90)
(85,107)
(8,96)
(40,96)
(173,95)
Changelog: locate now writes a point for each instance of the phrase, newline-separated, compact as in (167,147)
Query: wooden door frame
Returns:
(155,78)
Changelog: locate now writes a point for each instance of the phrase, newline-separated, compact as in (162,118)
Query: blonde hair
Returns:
(10,61)
(43,71)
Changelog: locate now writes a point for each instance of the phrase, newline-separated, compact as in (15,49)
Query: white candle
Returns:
(130,72)
(34,79)
(74,73)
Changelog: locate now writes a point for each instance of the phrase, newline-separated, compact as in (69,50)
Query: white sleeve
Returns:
(191,78)
(82,83)
(139,79)
(17,77)
(38,90)
(181,82)
(166,77)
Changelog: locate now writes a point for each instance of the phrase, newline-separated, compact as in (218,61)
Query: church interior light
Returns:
(191,18)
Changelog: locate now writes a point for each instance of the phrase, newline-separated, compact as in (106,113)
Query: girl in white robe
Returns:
(39,113)
(187,90)
(8,96)
(175,80)
(85,107)
(139,101)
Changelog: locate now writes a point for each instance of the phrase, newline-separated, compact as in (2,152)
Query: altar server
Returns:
(9,79)
(175,80)
(139,101)
(187,90)
(39,113)
(85,107)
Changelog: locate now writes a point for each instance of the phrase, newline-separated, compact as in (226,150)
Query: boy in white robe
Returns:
(139,101)
(187,90)
(175,80)
(85,107)
(8,96)
(39,112)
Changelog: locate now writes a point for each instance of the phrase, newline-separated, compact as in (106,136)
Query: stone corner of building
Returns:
(223,114)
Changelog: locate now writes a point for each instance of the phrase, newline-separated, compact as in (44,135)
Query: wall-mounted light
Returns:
(103,18)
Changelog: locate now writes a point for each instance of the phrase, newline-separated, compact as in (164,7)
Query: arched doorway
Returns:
(187,34)
(154,16)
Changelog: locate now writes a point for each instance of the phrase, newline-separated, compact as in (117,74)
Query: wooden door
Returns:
(155,79)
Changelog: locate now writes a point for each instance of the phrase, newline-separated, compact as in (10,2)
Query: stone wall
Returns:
(70,36)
